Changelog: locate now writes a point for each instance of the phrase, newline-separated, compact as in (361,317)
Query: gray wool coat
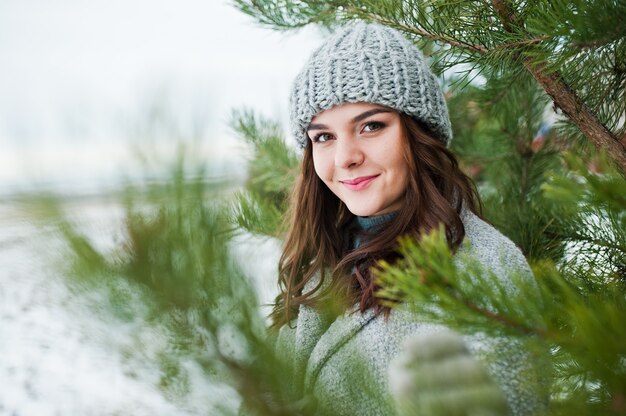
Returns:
(323,351)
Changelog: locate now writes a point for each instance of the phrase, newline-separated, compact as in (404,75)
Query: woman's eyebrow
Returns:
(316,127)
(368,113)
(356,119)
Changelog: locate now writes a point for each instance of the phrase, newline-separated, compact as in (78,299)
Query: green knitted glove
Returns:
(436,375)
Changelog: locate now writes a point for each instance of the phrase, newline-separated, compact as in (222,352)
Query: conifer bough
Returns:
(575,50)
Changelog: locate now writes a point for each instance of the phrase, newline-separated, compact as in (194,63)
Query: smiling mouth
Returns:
(359,183)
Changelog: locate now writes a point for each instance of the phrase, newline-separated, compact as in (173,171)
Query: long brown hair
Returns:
(318,235)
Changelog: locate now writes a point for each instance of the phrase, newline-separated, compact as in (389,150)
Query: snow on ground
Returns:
(59,356)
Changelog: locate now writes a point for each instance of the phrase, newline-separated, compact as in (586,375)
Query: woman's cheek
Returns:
(323,168)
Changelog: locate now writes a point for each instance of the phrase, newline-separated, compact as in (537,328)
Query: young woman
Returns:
(374,128)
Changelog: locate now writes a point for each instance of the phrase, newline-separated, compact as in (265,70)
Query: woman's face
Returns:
(358,153)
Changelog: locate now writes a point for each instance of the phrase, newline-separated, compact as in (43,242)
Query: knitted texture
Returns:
(366,62)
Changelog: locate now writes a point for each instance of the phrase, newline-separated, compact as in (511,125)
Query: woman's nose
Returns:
(348,153)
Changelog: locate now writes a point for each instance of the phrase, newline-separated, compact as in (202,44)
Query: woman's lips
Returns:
(359,183)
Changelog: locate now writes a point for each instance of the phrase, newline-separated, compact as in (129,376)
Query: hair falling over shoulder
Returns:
(316,241)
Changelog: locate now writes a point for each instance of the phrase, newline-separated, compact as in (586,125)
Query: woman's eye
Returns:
(373,126)
(321,138)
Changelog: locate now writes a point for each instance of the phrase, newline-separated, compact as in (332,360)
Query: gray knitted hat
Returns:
(365,62)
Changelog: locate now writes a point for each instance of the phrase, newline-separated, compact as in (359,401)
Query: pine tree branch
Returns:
(522,43)
(576,236)
(504,320)
(430,35)
(471,47)
(596,43)
(566,98)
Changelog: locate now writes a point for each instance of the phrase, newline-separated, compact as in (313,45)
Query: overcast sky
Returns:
(76,75)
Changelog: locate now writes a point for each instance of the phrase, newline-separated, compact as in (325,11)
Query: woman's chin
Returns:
(363,211)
